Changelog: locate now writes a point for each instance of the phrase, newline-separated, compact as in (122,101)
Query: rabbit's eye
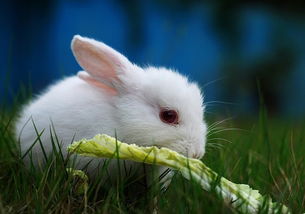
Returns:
(169,116)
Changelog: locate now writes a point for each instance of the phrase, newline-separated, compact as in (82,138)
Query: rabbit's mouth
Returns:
(177,147)
(186,149)
(160,147)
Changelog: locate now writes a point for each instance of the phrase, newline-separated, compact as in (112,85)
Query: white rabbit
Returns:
(145,106)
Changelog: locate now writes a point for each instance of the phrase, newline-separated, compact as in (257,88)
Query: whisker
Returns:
(212,82)
(219,122)
(219,139)
(215,128)
(219,102)
(223,130)
(215,146)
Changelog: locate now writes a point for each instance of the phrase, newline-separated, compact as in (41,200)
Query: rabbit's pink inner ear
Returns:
(99,60)
(86,77)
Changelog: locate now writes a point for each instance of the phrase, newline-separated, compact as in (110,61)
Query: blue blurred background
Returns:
(226,46)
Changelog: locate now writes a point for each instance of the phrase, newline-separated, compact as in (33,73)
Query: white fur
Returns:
(81,110)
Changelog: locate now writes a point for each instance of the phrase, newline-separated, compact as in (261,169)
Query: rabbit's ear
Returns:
(89,79)
(102,64)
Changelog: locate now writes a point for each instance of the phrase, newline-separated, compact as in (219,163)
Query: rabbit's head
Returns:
(152,106)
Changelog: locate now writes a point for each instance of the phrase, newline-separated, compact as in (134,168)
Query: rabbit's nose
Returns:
(196,156)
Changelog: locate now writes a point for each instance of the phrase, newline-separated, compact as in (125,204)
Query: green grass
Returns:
(267,155)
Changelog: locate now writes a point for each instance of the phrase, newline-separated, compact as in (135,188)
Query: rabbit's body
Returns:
(75,101)
(150,106)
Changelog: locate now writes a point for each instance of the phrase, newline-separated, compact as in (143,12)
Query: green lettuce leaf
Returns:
(240,196)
